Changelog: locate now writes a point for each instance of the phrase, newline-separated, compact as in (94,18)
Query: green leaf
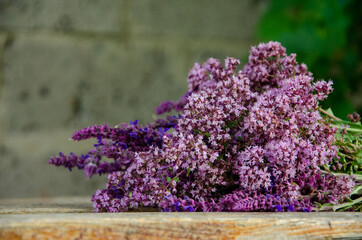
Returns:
(232,124)
(359,157)
(207,134)
(357,190)
(325,166)
(344,208)
(347,205)
(358,175)
(328,205)
(188,172)
(197,131)
(176,179)
(329,110)
(168,179)
(353,127)
(130,194)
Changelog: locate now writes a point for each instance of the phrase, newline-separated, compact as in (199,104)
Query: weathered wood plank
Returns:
(54,222)
(46,205)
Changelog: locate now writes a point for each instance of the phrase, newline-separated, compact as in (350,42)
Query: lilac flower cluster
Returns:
(119,143)
(246,141)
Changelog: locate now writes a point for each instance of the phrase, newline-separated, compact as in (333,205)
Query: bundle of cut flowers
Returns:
(249,140)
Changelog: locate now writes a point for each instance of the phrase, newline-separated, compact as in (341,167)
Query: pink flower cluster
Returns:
(249,140)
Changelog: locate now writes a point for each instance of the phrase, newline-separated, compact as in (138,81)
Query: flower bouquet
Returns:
(249,140)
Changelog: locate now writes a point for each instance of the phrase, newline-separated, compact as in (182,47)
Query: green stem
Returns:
(328,114)
(339,206)
(357,176)
(347,129)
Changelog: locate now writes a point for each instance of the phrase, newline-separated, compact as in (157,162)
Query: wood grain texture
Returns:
(59,222)
(46,205)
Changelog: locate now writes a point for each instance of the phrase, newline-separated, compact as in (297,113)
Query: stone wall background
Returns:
(68,64)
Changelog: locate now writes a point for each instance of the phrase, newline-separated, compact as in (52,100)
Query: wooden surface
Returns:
(72,218)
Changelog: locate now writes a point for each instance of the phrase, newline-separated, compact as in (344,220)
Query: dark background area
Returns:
(326,35)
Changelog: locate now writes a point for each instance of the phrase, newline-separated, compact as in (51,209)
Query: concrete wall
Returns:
(67,64)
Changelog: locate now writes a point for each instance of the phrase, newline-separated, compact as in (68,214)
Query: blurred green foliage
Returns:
(326,36)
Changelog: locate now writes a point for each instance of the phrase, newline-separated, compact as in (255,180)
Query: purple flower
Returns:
(290,208)
(278,207)
(134,123)
(166,106)
(250,140)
